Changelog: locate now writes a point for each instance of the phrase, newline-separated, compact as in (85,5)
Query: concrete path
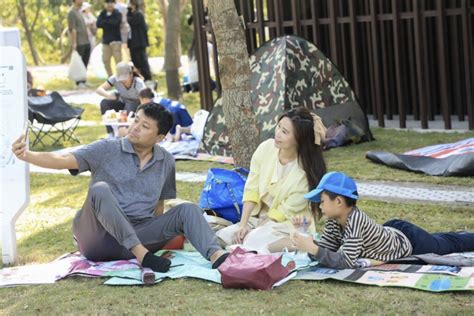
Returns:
(42,74)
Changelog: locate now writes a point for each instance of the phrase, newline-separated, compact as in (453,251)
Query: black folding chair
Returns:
(56,119)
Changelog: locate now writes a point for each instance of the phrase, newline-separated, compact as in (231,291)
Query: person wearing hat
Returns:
(128,83)
(281,171)
(349,234)
(90,20)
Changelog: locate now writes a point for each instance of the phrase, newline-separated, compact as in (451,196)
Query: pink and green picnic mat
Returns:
(432,278)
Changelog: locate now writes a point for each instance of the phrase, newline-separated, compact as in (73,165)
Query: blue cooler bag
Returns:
(223,192)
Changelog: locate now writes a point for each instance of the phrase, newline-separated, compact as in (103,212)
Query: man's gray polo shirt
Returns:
(115,162)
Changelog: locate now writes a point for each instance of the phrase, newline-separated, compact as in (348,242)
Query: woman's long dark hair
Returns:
(310,155)
(136,73)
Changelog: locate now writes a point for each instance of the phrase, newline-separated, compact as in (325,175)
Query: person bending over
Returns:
(128,83)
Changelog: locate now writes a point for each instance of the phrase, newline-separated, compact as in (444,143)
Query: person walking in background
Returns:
(109,21)
(191,75)
(78,33)
(91,21)
(124,27)
(138,41)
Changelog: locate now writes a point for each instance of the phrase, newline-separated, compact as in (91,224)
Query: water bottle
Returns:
(303,229)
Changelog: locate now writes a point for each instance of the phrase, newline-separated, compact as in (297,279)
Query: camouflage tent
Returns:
(287,72)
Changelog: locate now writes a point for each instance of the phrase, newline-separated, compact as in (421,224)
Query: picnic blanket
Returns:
(453,159)
(187,149)
(185,264)
(422,277)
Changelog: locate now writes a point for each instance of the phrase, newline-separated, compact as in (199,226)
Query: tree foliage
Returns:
(50,38)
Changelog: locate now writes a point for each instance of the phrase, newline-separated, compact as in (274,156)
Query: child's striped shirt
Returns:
(361,238)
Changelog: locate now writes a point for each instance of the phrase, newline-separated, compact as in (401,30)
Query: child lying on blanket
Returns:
(349,234)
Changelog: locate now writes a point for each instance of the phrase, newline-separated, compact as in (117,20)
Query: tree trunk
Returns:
(163,9)
(234,70)
(33,51)
(28,30)
(173,50)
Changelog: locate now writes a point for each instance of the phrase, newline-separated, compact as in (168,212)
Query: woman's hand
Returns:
(304,243)
(300,221)
(239,235)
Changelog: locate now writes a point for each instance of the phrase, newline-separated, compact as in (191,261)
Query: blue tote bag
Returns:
(223,192)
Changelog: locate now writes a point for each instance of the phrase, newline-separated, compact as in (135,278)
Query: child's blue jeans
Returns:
(438,243)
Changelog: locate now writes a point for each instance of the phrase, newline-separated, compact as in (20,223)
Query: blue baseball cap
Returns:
(335,182)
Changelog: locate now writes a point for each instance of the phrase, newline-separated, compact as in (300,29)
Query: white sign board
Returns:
(9,36)
(14,173)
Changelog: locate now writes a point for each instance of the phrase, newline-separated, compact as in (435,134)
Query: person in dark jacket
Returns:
(109,21)
(138,41)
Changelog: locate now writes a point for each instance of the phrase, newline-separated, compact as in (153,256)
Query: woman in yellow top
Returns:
(281,171)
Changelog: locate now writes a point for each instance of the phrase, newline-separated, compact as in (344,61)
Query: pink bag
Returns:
(248,270)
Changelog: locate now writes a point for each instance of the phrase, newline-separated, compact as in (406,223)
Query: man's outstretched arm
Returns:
(43,159)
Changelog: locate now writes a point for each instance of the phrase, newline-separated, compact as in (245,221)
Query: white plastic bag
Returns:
(77,69)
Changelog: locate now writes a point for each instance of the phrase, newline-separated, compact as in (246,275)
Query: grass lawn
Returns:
(44,232)
(349,159)
(56,84)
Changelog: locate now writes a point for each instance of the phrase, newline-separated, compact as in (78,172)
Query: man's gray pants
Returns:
(103,231)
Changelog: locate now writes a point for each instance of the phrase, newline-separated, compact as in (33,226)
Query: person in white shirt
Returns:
(90,20)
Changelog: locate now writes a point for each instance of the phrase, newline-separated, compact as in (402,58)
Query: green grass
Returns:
(190,100)
(351,159)
(44,232)
(91,112)
(56,84)
(85,134)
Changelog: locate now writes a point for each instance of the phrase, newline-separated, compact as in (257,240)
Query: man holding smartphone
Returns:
(122,216)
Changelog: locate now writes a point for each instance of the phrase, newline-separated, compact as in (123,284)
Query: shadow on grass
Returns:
(46,244)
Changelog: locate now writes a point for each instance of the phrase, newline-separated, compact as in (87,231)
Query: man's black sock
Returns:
(157,264)
(220,260)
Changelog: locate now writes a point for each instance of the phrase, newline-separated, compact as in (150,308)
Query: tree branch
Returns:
(20,5)
(38,6)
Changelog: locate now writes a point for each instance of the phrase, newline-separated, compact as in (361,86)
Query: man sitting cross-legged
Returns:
(122,216)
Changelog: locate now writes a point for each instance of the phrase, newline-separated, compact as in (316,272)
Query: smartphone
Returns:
(26,131)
